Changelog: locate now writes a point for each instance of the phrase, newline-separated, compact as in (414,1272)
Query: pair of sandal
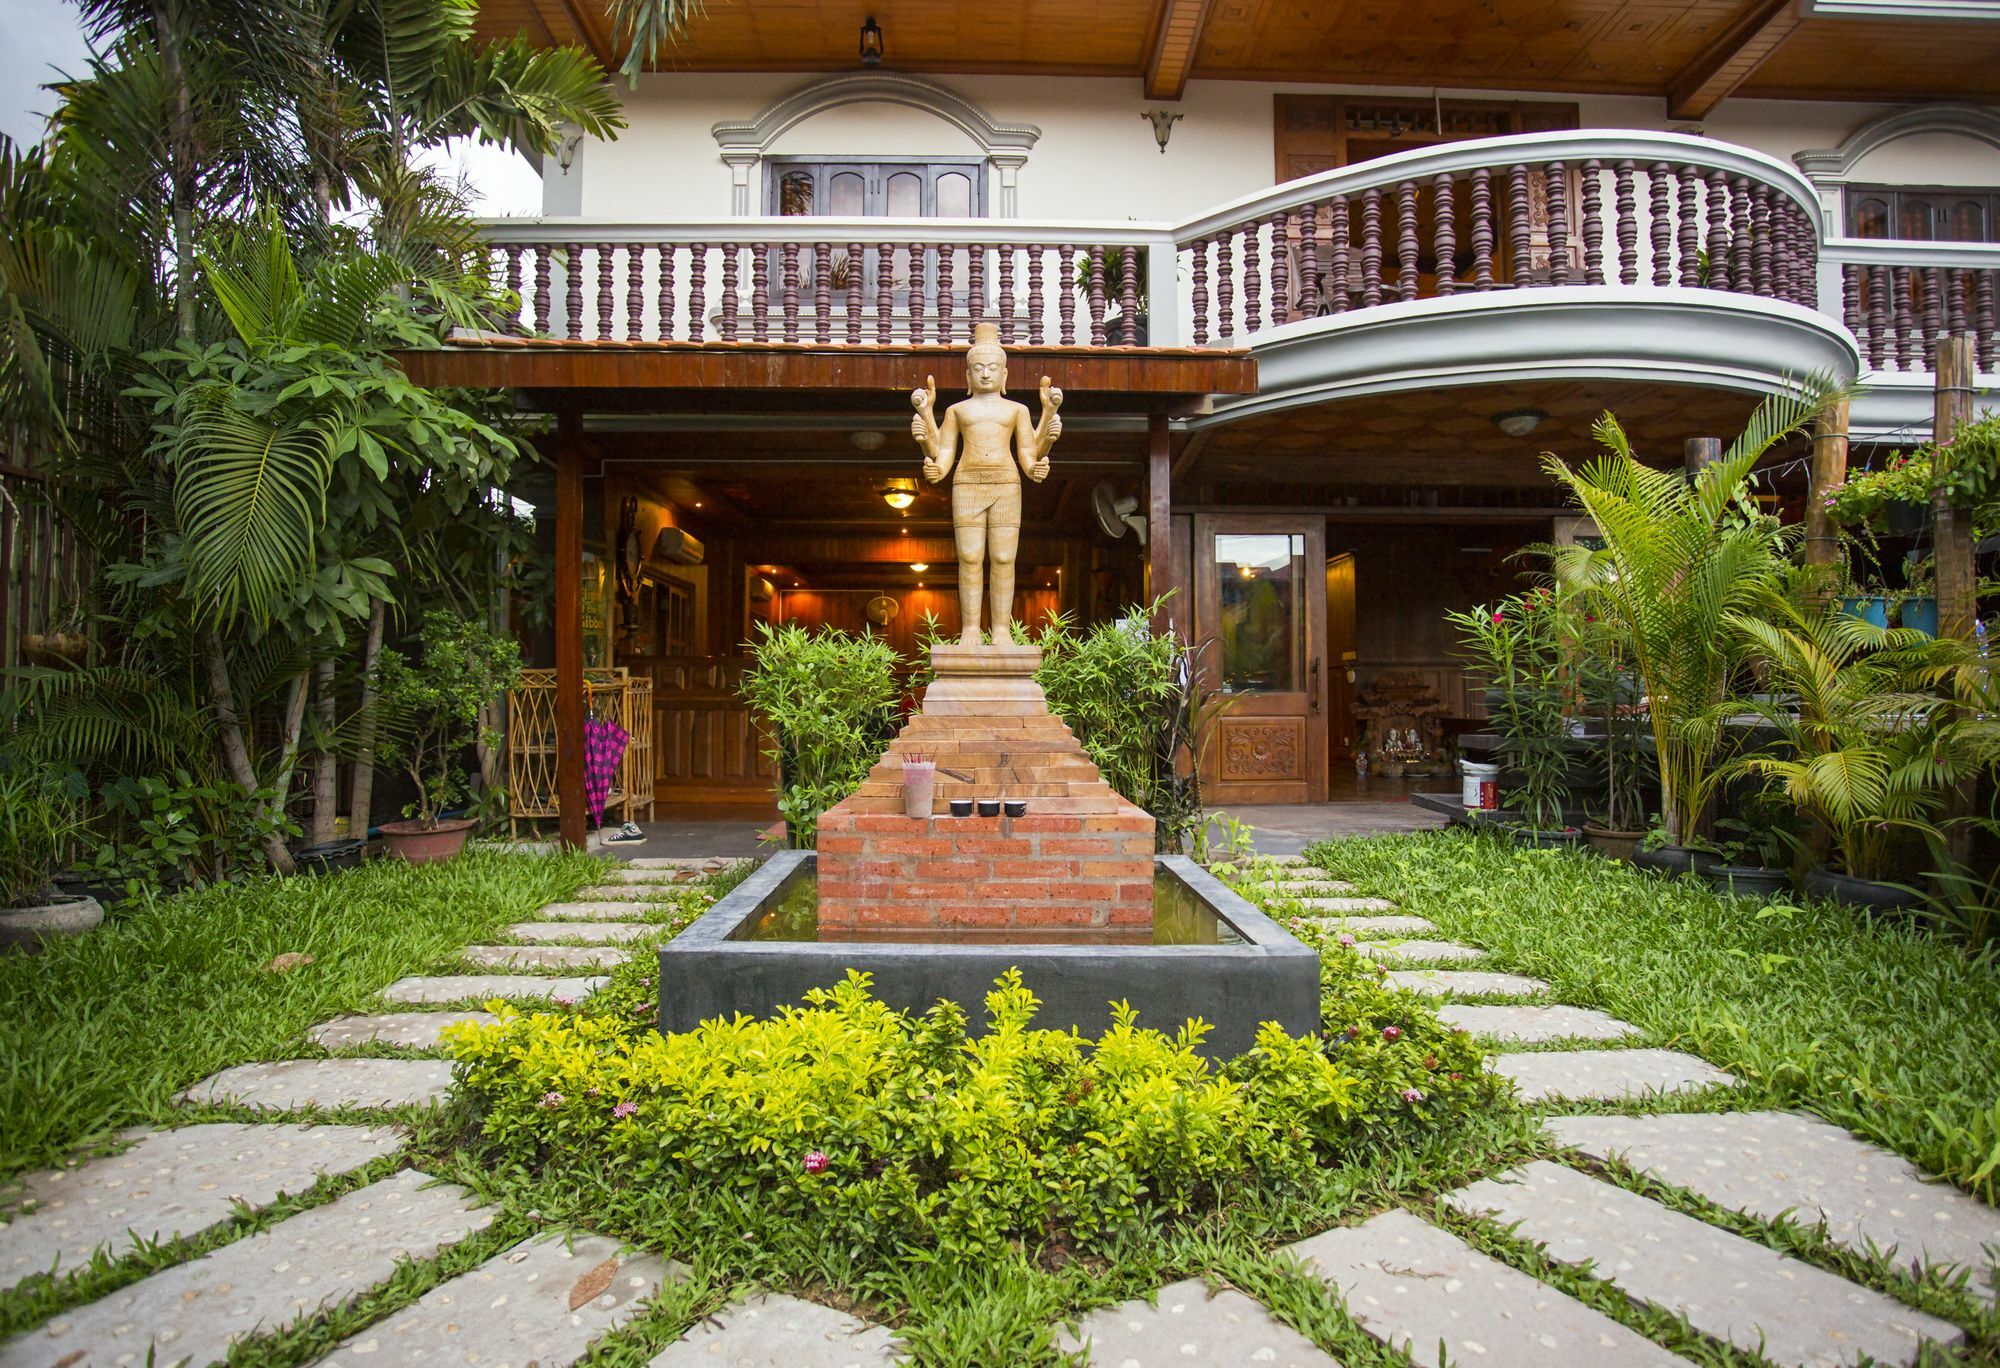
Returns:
(625,835)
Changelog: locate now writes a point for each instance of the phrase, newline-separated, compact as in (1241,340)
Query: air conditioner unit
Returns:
(677,547)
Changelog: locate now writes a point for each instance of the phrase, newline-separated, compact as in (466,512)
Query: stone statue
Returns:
(988,437)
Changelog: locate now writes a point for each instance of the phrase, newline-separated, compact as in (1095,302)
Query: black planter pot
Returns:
(1749,881)
(1546,840)
(1677,860)
(80,885)
(1906,518)
(1822,882)
(328,856)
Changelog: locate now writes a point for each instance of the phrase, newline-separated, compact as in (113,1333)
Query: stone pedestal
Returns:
(1081,858)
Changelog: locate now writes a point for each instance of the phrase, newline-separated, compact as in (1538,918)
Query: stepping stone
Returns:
(601,932)
(1188,1325)
(309,1263)
(1465,982)
(1418,951)
(483,987)
(619,909)
(411,1030)
(288,1084)
(1605,1074)
(634,895)
(1383,926)
(543,956)
(1336,906)
(1309,887)
(781,1332)
(707,864)
(172,1183)
(543,1302)
(665,879)
(1414,1287)
(1533,1025)
(1728,1287)
(1773,1164)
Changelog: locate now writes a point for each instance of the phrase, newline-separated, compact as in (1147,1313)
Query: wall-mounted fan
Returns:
(1114,514)
(881,610)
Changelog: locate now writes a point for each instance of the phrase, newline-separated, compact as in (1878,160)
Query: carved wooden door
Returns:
(1260,597)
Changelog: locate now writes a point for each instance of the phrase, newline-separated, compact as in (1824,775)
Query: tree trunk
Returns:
(326,768)
(180,158)
(235,752)
(362,795)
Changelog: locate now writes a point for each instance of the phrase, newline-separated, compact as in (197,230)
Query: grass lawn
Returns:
(1888,1030)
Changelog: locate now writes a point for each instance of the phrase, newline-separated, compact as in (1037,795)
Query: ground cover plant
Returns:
(102,1032)
(1869,1022)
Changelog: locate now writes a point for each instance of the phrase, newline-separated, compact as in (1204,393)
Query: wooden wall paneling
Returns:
(707,746)
(1340,648)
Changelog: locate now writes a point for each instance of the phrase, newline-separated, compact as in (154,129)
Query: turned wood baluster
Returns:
(573,292)
(1741,239)
(1521,250)
(945,309)
(731,274)
(1690,227)
(1066,293)
(1626,209)
(1660,179)
(1956,279)
(1281,269)
(790,283)
(1850,302)
(635,290)
(1371,247)
(664,304)
(1556,177)
(1982,316)
(760,292)
(1908,347)
(1760,241)
(1782,272)
(1094,300)
(1037,325)
(917,300)
(1933,314)
(1406,240)
(822,292)
(1878,316)
(513,255)
(1445,243)
(1337,230)
(1309,306)
(697,291)
(856,254)
(1593,222)
(606,285)
(885,292)
(1128,299)
(543,252)
(1718,231)
(1482,229)
(1198,249)
(1253,280)
(1225,289)
(975,287)
(1007,319)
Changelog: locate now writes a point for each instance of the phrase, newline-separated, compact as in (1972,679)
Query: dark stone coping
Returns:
(1270,977)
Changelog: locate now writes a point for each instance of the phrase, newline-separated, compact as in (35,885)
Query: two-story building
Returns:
(1320,280)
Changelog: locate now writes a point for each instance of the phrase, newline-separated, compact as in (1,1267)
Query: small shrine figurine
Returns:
(989,439)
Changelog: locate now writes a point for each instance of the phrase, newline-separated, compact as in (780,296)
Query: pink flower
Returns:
(1412,1096)
(1497,615)
(590,1092)
(1347,940)
(623,1110)
(816,1161)
(564,1001)
(1392,1033)
(552,1099)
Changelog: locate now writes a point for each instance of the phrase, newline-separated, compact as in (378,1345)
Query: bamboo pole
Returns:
(1957,582)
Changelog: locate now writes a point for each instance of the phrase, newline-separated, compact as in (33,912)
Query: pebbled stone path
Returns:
(441,988)
(1373,926)
(289,1084)
(781,1332)
(1185,1324)
(1418,951)
(1340,906)
(604,933)
(1466,983)
(615,909)
(543,956)
(1533,1025)
(410,1030)
(1605,1075)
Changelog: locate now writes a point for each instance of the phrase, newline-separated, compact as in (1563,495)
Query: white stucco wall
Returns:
(1097,158)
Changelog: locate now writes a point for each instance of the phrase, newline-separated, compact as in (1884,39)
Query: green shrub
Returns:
(829,701)
(432,710)
(902,1135)
(37,824)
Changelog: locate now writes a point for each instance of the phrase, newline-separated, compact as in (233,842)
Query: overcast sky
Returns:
(40,38)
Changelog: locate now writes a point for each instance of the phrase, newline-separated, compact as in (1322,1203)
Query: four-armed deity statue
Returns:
(989,439)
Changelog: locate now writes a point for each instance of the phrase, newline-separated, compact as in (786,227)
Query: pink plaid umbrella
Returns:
(603,747)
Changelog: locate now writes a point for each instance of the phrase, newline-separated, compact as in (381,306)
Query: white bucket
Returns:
(1482,785)
(919,784)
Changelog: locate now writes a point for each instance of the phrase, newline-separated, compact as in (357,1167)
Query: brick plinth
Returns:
(1082,857)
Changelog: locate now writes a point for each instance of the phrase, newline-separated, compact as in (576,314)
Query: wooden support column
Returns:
(1160,575)
(1957,584)
(1829,472)
(1699,453)
(569,630)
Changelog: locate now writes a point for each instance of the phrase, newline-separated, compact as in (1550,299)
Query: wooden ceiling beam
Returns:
(1176,38)
(577,22)
(1190,453)
(1719,69)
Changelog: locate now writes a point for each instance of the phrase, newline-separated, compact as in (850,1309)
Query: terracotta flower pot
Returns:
(1616,845)
(419,844)
(27,927)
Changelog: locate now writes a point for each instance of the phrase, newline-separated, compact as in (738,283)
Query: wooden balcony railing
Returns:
(1900,298)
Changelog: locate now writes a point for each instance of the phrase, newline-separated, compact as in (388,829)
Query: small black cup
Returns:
(989,807)
(961,807)
(1017,807)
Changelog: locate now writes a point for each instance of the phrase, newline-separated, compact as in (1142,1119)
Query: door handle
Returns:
(1312,673)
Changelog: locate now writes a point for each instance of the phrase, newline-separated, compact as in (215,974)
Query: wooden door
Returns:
(1260,595)
(1340,652)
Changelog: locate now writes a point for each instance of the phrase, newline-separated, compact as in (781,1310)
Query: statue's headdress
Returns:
(985,343)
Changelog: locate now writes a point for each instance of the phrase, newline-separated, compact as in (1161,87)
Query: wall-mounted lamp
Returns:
(1163,121)
(899,493)
(566,151)
(871,43)
(1519,422)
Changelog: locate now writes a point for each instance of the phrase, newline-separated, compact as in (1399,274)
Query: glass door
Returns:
(1260,596)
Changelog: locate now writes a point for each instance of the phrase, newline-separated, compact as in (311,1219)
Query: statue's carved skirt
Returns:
(998,504)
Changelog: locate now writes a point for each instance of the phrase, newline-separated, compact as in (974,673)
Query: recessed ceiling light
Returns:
(1519,422)
(920,566)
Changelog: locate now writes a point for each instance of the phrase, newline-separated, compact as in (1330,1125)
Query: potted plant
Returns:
(1757,843)
(1611,696)
(1895,499)
(38,824)
(1917,606)
(1519,643)
(431,714)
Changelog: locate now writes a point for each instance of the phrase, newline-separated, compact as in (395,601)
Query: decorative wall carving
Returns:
(1263,750)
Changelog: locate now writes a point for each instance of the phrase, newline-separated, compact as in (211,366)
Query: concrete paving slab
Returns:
(482,987)
(1415,1287)
(1184,1324)
(1533,1025)
(604,933)
(288,1084)
(411,1030)
(615,909)
(1728,1287)
(633,874)
(1344,907)
(171,1183)
(1540,1075)
(640,894)
(781,1332)
(1465,982)
(704,864)
(1373,926)
(1773,1164)
(308,1263)
(544,1302)
(543,956)
(1418,951)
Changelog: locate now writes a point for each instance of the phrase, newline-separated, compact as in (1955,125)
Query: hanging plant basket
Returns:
(1906,518)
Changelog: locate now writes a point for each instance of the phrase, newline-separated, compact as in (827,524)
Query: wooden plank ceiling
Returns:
(1694,51)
